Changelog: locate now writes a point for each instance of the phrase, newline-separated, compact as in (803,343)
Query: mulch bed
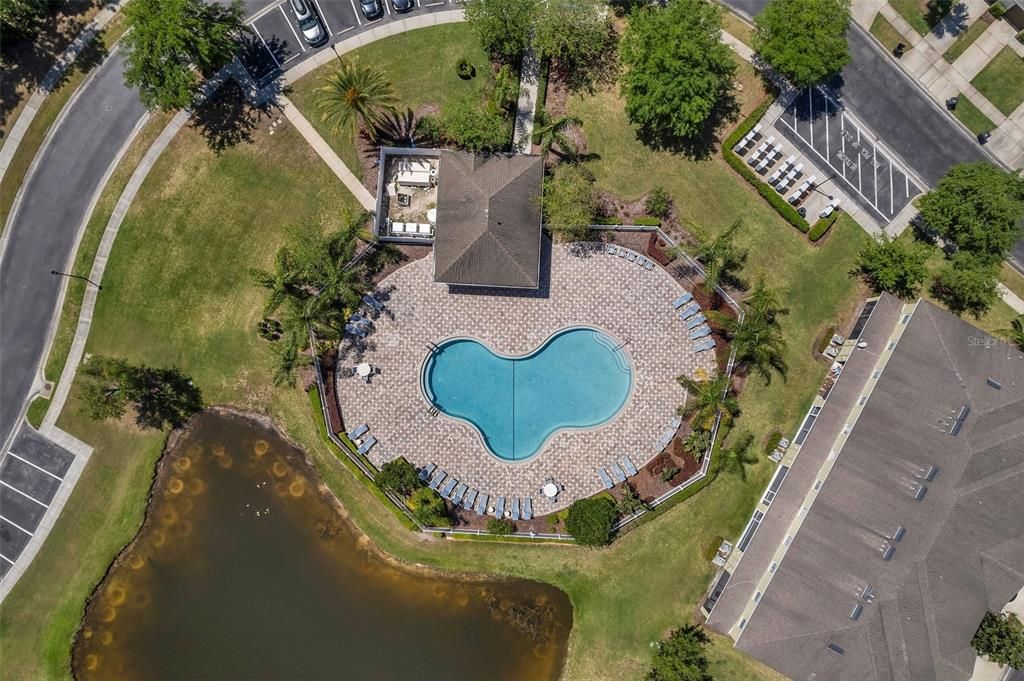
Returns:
(471,520)
(648,482)
(409,253)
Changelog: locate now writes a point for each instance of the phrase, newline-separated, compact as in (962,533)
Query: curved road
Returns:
(43,232)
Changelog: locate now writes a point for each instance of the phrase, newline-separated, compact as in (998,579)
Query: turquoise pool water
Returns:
(579,378)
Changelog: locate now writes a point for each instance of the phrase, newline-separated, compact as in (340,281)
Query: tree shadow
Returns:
(401,129)
(228,118)
(947,17)
(26,60)
(702,145)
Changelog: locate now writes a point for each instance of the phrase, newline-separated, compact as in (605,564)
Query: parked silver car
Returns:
(309,22)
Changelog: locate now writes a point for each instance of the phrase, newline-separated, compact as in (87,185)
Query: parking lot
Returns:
(31,472)
(858,162)
(276,43)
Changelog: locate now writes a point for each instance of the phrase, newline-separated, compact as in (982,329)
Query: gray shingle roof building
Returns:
(488,220)
(898,517)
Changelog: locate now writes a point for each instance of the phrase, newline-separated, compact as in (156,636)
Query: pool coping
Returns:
(540,346)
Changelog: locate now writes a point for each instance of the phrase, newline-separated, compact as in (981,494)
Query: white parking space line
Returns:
(890,188)
(323,17)
(860,184)
(31,534)
(42,470)
(810,114)
(269,51)
(827,154)
(874,164)
(907,178)
(263,12)
(288,21)
(357,12)
(842,136)
(27,496)
(6,559)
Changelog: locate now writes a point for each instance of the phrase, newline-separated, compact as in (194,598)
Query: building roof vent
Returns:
(993,383)
(832,647)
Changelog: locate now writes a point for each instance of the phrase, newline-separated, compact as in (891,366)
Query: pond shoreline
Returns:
(176,436)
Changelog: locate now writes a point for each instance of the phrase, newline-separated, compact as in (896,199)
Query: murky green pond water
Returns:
(245,570)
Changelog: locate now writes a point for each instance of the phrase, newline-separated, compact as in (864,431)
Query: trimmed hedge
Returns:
(647,221)
(777,202)
(822,226)
(600,220)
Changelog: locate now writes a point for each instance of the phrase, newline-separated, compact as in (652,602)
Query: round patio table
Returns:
(550,490)
(363,369)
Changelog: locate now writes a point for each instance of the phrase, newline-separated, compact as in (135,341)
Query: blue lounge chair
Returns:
(367,445)
(605,480)
(449,487)
(481,504)
(358,431)
(689,311)
(617,474)
(648,265)
(694,322)
(373,302)
(499,508)
(676,421)
(467,502)
(515,508)
(682,300)
(623,252)
(628,465)
(527,508)
(435,484)
(427,470)
(460,492)
(353,330)
(631,256)
(360,320)
(611,249)
(706,344)
(700,332)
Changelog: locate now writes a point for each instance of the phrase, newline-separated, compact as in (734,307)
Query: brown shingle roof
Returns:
(488,220)
(963,551)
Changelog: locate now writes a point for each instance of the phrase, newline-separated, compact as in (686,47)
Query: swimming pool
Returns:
(579,378)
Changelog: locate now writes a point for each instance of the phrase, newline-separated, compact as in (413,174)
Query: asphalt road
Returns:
(43,234)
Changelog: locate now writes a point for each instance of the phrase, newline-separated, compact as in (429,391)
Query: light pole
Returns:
(77,276)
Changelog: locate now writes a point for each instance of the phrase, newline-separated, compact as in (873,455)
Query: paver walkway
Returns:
(527,106)
(324,150)
(607,292)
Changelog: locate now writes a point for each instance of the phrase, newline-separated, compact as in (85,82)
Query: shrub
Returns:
(997,9)
(607,220)
(1020,37)
(823,342)
(659,203)
(590,520)
(503,91)
(780,205)
(569,201)
(470,126)
(1000,638)
(500,526)
(428,507)
(821,227)
(398,475)
(681,657)
(775,437)
(465,69)
(669,473)
(428,129)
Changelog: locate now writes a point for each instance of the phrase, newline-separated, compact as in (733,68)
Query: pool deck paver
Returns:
(589,289)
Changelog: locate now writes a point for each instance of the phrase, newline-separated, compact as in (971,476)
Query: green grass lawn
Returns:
(1012,279)
(421,67)
(1002,81)
(738,28)
(967,38)
(916,14)
(971,116)
(885,32)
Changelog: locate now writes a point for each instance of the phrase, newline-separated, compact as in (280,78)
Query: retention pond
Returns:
(246,569)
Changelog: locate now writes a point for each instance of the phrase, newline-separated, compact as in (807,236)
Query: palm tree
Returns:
(355,94)
(289,357)
(758,343)
(763,301)
(735,459)
(696,443)
(705,398)
(1015,334)
(720,257)
(549,132)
